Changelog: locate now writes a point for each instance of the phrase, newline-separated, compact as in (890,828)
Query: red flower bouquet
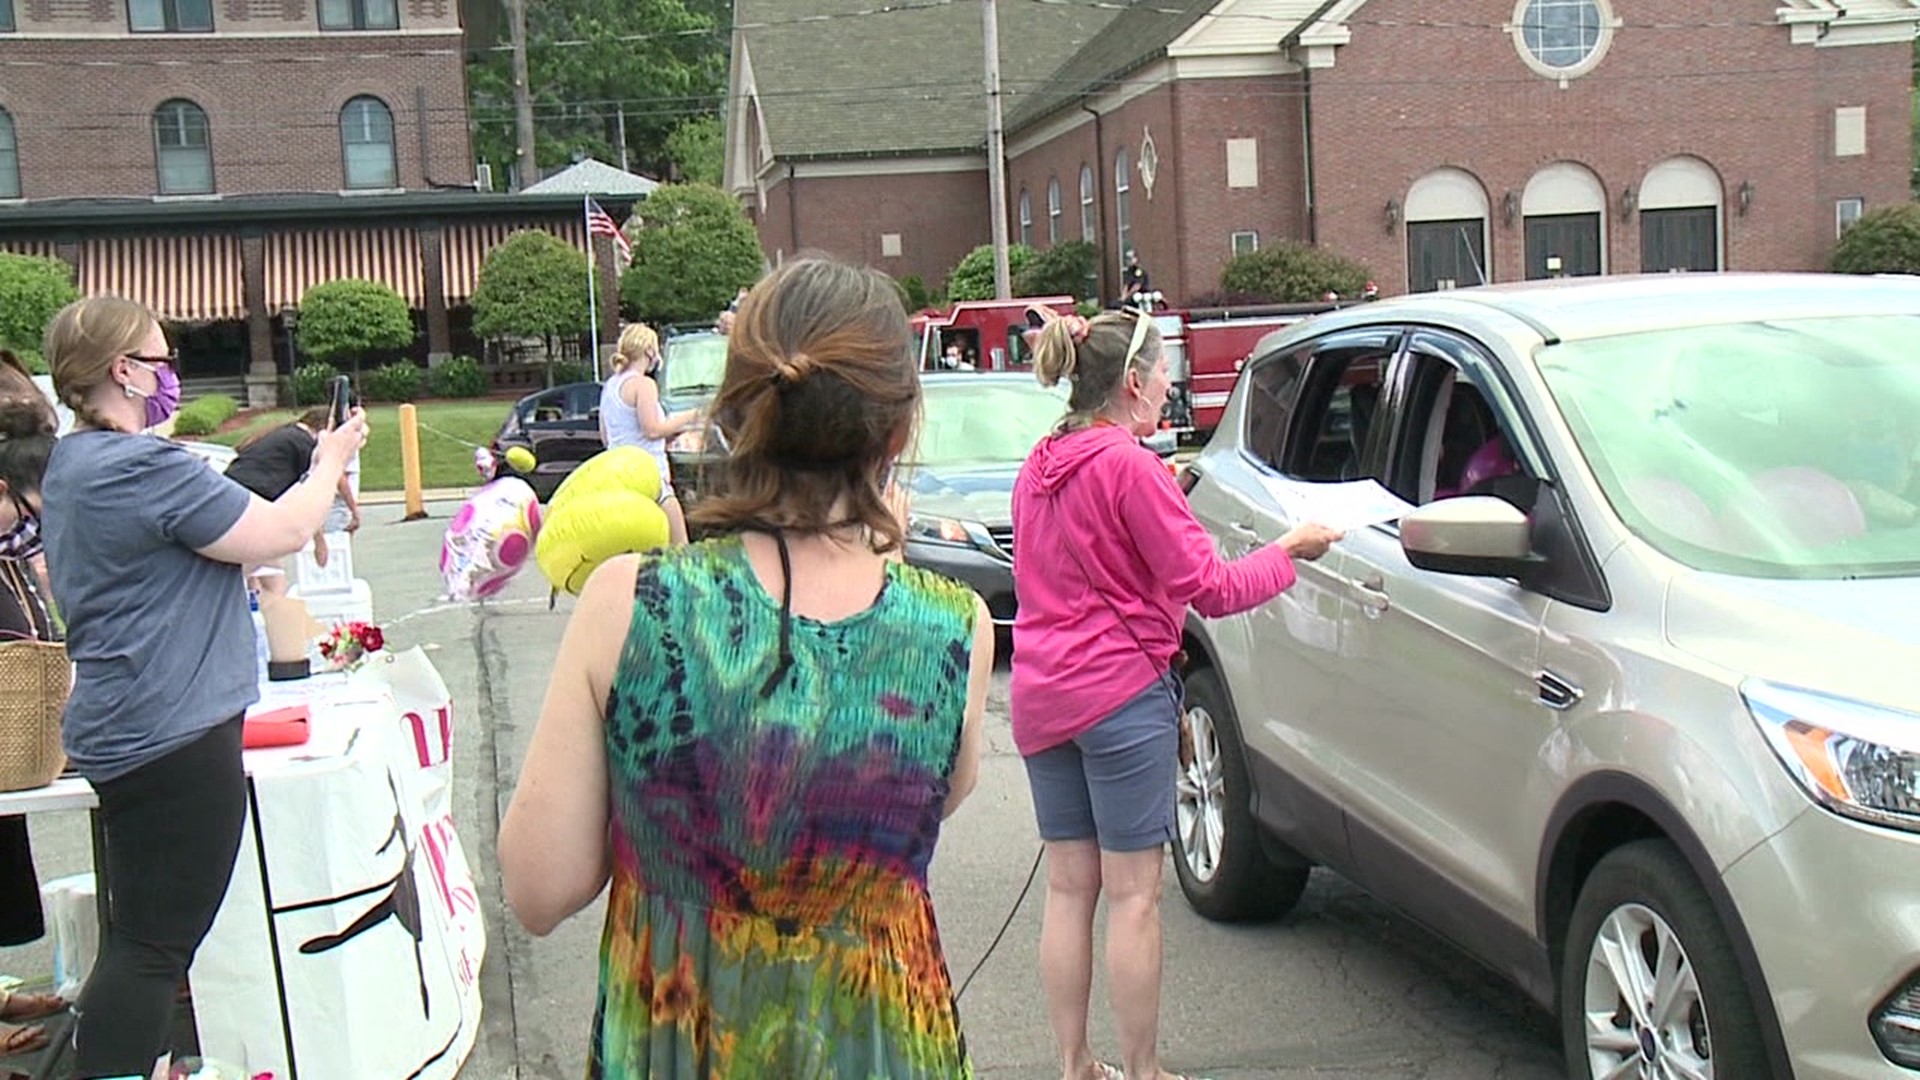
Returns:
(348,645)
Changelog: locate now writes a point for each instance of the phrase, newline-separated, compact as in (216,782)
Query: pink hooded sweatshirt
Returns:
(1102,532)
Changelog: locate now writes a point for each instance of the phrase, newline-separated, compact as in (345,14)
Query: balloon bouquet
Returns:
(608,506)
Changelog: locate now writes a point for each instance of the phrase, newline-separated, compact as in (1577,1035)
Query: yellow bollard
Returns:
(410,462)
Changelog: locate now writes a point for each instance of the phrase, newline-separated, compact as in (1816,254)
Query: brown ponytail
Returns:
(819,397)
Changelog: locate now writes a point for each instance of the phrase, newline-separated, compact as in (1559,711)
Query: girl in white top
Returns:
(631,414)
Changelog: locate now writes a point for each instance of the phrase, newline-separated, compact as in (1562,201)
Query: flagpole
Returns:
(593,276)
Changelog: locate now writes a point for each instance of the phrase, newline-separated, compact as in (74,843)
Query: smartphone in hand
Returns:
(342,404)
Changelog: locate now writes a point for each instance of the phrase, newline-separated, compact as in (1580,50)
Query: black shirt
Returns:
(274,462)
(1135,278)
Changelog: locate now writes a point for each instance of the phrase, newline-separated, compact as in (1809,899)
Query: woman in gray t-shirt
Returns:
(145,543)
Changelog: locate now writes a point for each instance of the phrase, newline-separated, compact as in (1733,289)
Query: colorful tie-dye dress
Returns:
(769,915)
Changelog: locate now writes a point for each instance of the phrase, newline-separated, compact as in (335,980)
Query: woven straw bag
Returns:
(35,677)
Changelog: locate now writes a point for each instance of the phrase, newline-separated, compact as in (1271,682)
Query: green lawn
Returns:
(448,432)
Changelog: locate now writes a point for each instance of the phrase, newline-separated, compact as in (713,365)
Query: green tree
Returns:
(32,291)
(533,285)
(973,278)
(347,318)
(693,251)
(1069,268)
(1293,274)
(698,150)
(598,66)
(1884,241)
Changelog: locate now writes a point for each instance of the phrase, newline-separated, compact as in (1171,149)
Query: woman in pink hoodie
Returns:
(1107,559)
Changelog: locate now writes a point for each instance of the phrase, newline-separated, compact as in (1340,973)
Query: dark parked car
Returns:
(561,426)
(975,431)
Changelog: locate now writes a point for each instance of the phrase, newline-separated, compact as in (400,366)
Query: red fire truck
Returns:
(1205,347)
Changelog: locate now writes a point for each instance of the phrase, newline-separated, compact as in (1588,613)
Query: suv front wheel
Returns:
(1222,869)
(1649,985)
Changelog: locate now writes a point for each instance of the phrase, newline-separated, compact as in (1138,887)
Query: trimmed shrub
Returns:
(1885,241)
(914,293)
(204,415)
(566,371)
(1069,268)
(395,382)
(972,279)
(32,289)
(460,377)
(313,383)
(1293,274)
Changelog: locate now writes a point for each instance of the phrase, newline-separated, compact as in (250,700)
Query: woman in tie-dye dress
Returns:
(755,738)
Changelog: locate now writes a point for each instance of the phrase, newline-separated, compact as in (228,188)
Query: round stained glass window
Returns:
(1562,37)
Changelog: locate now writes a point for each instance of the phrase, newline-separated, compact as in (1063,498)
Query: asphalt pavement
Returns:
(1342,987)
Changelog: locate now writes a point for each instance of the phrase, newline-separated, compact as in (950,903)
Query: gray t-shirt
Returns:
(160,635)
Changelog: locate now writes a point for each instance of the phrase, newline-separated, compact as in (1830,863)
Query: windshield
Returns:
(694,365)
(985,420)
(1771,449)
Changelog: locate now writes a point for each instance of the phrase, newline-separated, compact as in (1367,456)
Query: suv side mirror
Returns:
(1478,535)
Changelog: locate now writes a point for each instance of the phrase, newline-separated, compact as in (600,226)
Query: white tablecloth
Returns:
(350,941)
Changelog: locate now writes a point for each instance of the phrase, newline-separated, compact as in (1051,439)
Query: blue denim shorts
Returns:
(1114,781)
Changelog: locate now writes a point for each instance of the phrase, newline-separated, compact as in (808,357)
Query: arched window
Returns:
(1680,203)
(183,148)
(1447,215)
(366,138)
(1026,218)
(1123,219)
(1089,227)
(1564,212)
(1053,211)
(9,158)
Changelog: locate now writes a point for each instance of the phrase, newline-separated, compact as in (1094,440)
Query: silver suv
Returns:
(1628,707)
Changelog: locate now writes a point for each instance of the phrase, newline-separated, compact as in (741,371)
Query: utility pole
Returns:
(526,170)
(996,155)
(620,135)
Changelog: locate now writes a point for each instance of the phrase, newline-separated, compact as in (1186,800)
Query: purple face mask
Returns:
(165,399)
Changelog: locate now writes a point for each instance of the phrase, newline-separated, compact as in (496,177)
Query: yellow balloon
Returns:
(521,459)
(591,527)
(623,468)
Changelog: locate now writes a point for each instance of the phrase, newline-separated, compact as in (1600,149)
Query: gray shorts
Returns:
(1114,782)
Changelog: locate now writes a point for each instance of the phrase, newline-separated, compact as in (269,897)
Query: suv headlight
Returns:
(1853,758)
(940,530)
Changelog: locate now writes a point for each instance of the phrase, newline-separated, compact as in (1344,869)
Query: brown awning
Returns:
(466,246)
(45,249)
(297,261)
(181,278)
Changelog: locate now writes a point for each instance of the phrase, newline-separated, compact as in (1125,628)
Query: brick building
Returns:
(215,158)
(1440,142)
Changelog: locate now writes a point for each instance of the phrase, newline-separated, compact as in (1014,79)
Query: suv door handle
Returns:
(1371,593)
(1244,530)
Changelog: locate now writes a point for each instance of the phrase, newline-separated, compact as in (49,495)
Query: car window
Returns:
(693,365)
(1339,390)
(1272,384)
(1457,436)
(583,400)
(1778,448)
(984,420)
(545,407)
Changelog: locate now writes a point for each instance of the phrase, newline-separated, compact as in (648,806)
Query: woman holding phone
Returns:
(146,543)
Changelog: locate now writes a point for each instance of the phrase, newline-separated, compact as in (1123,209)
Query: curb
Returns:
(399,498)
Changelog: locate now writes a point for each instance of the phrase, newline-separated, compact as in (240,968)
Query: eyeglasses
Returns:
(172,359)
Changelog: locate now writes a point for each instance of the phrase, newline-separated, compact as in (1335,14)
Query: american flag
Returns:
(599,223)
